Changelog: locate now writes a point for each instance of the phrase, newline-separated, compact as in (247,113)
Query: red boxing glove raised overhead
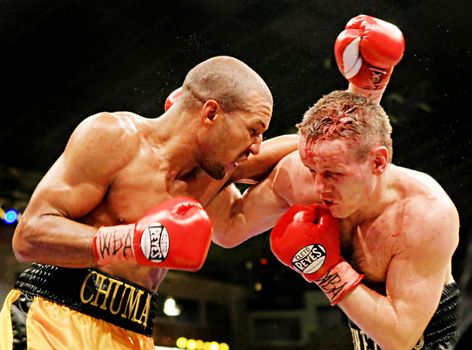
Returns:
(172,98)
(367,50)
(175,234)
(307,239)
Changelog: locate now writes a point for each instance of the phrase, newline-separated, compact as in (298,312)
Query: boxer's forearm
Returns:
(272,150)
(390,325)
(374,96)
(49,238)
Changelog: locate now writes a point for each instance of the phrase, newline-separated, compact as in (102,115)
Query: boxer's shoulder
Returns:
(421,223)
(124,123)
(109,140)
(107,126)
(422,192)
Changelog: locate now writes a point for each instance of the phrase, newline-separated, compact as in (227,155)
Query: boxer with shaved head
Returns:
(125,202)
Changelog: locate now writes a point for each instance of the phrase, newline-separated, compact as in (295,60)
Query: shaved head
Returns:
(225,79)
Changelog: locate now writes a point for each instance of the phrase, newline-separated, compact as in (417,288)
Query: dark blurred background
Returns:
(62,61)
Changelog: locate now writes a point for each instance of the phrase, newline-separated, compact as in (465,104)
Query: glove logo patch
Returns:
(155,242)
(309,259)
(352,61)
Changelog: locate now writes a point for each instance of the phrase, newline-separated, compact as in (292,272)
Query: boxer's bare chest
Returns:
(138,188)
(370,246)
(141,190)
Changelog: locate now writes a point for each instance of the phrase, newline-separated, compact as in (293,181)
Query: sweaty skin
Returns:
(116,166)
(402,237)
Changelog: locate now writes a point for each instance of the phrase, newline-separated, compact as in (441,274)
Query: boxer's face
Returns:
(234,137)
(342,181)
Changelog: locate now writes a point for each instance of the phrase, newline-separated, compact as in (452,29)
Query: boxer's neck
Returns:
(171,136)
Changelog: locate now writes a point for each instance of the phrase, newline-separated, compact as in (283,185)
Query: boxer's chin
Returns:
(337,211)
(220,171)
(330,205)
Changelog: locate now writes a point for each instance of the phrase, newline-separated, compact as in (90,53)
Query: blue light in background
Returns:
(10,217)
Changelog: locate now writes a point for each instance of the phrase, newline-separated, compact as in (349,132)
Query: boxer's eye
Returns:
(331,174)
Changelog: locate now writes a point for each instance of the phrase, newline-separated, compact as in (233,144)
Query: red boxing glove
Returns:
(174,234)
(307,239)
(172,98)
(367,50)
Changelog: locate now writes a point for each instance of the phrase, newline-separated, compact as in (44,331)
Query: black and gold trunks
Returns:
(93,293)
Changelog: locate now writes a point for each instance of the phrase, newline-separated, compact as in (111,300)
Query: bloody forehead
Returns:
(306,147)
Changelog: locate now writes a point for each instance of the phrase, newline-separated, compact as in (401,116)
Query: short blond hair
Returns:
(342,114)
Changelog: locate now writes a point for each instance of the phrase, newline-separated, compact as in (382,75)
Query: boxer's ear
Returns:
(210,109)
(379,160)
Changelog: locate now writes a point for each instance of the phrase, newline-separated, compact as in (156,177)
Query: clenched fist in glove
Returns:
(307,239)
(367,50)
(174,234)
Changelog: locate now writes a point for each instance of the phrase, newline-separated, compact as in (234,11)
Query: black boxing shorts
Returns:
(440,333)
(61,308)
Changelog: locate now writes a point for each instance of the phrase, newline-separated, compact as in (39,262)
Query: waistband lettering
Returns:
(82,290)
(103,287)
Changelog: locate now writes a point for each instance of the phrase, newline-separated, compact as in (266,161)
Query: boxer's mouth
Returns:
(241,159)
(327,202)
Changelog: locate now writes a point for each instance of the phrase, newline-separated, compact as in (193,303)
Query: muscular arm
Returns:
(414,282)
(272,150)
(237,217)
(49,231)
